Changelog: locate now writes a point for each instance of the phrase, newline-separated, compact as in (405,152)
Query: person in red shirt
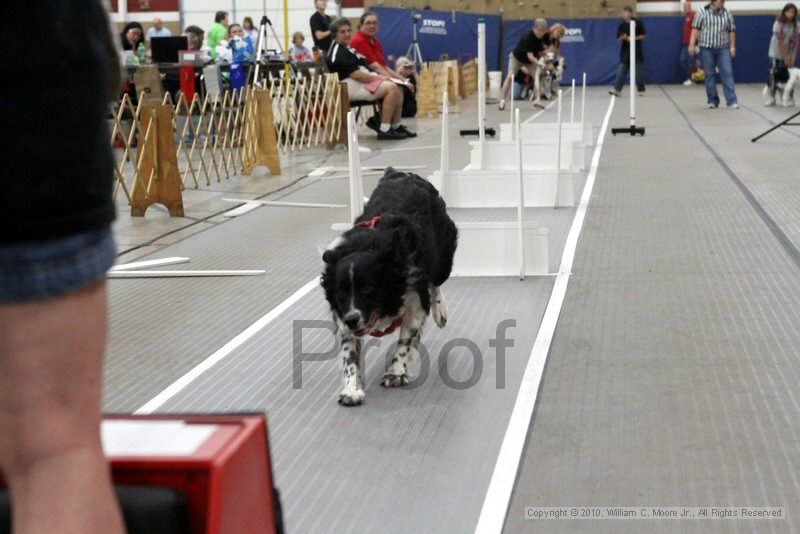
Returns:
(687,62)
(366,43)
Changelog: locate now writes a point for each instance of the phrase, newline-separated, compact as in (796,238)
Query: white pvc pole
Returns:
(583,99)
(521,204)
(356,185)
(558,148)
(445,161)
(481,89)
(572,103)
(512,108)
(633,71)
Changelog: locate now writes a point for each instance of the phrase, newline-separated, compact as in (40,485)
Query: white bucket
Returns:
(495,84)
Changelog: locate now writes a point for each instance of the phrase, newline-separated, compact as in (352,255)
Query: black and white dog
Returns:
(386,272)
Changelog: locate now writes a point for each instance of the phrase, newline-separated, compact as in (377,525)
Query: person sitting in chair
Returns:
(364,84)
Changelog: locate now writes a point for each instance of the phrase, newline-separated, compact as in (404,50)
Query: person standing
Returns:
(714,31)
(217,32)
(687,61)
(158,30)
(320,27)
(624,37)
(56,245)
(782,46)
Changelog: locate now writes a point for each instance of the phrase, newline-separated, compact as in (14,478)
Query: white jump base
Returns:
(502,155)
(492,249)
(577,132)
(491,188)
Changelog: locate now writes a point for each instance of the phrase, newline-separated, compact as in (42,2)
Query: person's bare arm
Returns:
(693,41)
(732,36)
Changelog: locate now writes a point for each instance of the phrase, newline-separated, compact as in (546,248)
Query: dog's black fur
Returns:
(374,275)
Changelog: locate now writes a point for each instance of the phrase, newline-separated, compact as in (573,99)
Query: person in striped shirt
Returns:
(714,31)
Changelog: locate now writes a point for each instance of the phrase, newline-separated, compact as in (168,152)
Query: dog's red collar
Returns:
(370,223)
(394,326)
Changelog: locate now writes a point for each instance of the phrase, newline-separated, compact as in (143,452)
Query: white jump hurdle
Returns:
(484,248)
(497,188)
(537,157)
(543,132)
(503,248)
(579,132)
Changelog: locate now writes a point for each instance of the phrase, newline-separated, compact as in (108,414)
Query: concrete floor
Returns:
(669,381)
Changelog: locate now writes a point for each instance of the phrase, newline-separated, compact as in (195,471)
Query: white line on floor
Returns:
(498,495)
(409,148)
(180,384)
(548,106)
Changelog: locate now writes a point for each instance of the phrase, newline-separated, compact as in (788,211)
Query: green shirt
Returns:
(216,33)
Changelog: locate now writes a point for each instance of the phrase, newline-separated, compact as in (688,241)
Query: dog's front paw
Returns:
(351,397)
(391,380)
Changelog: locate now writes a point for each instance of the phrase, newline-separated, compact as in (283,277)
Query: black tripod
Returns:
(784,123)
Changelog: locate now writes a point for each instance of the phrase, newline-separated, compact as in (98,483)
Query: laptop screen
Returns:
(165,49)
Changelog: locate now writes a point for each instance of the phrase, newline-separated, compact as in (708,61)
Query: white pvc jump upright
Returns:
(481,92)
(521,200)
(356,180)
(632,48)
(632,129)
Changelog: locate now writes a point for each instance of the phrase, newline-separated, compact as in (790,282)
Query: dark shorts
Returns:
(37,270)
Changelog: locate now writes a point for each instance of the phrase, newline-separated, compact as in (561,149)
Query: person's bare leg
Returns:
(51,355)
(392,105)
(507,85)
(397,99)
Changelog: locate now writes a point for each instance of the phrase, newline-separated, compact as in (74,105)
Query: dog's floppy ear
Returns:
(331,256)
(335,251)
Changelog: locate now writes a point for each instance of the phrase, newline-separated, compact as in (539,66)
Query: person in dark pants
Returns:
(56,245)
(623,36)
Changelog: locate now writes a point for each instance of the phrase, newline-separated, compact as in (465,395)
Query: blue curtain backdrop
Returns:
(591,47)
(438,32)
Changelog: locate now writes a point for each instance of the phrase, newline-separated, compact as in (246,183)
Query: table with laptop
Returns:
(193,71)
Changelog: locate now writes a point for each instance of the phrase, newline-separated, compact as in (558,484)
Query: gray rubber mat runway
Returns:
(408,460)
(672,378)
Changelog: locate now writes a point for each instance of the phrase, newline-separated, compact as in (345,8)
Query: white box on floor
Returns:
(493,188)
(492,249)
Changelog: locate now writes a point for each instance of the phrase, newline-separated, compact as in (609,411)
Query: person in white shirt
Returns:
(158,30)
